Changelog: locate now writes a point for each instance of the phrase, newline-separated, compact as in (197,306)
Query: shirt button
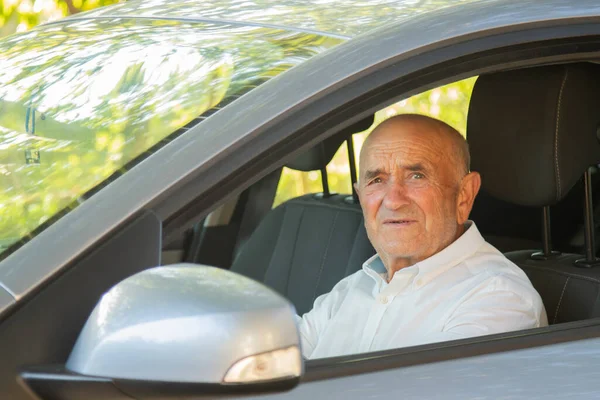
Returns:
(383,299)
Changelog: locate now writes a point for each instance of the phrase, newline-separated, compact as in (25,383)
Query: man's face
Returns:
(409,191)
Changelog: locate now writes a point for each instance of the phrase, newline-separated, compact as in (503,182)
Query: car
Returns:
(142,149)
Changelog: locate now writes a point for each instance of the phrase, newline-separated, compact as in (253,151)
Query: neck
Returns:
(395,264)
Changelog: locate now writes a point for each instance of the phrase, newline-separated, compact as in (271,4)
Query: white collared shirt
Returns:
(467,289)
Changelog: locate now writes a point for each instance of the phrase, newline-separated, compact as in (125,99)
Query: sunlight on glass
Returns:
(80,100)
(345,18)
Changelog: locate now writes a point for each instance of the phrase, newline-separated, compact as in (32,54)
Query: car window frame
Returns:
(345,366)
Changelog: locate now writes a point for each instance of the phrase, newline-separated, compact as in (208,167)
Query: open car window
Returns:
(449,103)
(81,101)
(329,223)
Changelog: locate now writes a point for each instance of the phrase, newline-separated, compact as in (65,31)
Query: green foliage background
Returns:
(21,15)
(16,206)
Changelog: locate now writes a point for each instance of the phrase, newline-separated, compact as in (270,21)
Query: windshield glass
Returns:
(80,100)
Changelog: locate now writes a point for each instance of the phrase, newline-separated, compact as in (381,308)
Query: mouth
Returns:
(399,221)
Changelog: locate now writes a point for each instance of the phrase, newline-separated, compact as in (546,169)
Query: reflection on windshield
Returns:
(348,17)
(78,101)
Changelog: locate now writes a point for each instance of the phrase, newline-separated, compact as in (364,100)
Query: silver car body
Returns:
(406,39)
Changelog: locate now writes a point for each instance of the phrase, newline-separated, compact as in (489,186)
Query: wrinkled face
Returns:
(409,188)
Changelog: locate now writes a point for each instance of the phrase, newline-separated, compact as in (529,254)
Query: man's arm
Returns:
(312,324)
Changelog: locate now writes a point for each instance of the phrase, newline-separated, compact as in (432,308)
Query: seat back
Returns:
(532,134)
(509,227)
(303,247)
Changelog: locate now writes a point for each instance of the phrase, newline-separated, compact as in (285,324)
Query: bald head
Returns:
(448,139)
(415,188)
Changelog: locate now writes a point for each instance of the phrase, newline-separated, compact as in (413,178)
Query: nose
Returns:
(396,195)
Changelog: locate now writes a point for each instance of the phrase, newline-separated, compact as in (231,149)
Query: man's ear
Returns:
(469,188)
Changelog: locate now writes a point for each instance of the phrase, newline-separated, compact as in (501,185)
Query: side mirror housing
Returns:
(208,329)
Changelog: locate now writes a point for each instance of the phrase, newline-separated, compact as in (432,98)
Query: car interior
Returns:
(538,159)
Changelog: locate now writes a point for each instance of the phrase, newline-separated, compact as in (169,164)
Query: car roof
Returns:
(346,18)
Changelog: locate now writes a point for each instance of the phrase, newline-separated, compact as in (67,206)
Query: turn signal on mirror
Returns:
(277,364)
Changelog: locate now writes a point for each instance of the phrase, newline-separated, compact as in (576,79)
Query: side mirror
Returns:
(185,330)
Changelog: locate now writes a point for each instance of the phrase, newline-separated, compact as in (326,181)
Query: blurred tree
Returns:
(21,15)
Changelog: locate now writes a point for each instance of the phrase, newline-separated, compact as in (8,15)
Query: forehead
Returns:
(403,144)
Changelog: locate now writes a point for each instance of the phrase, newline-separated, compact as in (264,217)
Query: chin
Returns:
(401,252)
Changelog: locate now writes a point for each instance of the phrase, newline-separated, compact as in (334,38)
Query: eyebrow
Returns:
(370,174)
(373,173)
(415,167)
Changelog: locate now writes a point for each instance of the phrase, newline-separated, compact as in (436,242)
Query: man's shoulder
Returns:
(488,262)
(336,296)
(350,280)
(490,265)
(488,259)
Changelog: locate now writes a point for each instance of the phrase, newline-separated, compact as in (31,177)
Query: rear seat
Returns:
(306,245)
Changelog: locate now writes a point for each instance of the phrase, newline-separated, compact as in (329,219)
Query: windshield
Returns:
(81,101)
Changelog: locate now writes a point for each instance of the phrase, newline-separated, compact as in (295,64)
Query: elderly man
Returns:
(434,277)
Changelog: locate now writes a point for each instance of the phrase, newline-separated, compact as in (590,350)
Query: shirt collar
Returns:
(459,250)
(375,269)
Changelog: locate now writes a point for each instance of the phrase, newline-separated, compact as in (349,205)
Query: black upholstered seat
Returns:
(306,245)
(533,134)
(570,293)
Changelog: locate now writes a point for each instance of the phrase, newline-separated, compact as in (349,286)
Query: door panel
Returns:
(560,371)
(44,329)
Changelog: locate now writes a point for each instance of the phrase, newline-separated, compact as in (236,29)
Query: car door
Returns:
(256,134)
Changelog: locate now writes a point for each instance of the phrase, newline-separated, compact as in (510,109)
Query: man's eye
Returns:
(417,175)
(375,180)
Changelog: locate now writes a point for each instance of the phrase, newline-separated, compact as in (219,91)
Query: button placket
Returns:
(372,325)
(384,299)
(378,308)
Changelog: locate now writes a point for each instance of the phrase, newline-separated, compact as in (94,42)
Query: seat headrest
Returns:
(533,132)
(319,156)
